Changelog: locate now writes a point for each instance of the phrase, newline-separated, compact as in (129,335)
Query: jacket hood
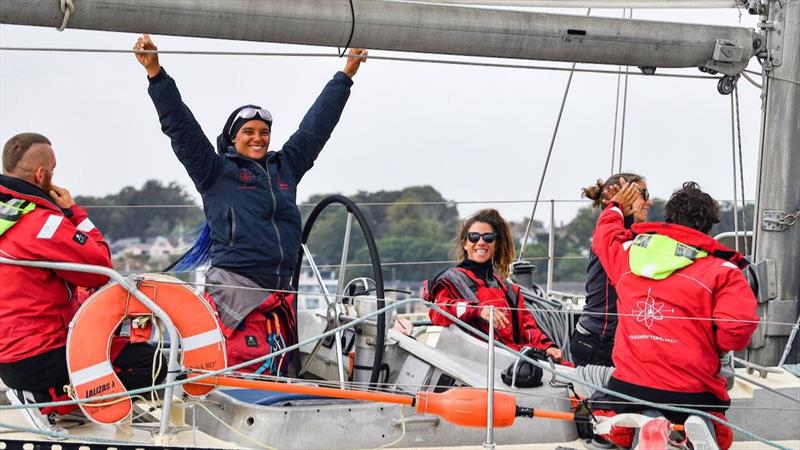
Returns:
(660,249)
(656,256)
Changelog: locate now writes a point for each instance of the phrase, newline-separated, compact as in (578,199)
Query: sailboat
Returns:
(425,358)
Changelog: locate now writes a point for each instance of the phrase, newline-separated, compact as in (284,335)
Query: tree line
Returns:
(414,228)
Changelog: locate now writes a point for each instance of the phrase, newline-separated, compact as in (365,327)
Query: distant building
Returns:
(133,254)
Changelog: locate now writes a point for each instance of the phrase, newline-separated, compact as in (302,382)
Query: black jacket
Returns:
(601,298)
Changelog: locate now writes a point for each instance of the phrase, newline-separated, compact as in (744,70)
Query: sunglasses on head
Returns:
(249,113)
(474,237)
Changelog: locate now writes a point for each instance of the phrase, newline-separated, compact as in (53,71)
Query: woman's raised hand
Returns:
(626,195)
(354,60)
(148,60)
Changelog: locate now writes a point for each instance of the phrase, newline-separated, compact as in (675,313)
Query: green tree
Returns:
(404,230)
(124,214)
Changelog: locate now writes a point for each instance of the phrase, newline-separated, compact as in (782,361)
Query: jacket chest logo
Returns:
(648,310)
(246,177)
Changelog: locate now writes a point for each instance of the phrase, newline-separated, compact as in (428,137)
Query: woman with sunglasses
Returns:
(486,250)
(593,338)
(252,235)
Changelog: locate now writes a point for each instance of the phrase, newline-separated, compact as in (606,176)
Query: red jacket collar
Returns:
(692,237)
(21,189)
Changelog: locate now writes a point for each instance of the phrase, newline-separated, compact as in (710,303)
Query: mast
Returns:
(412,27)
(776,242)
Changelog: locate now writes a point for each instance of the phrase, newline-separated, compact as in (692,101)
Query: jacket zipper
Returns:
(232,218)
(272,216)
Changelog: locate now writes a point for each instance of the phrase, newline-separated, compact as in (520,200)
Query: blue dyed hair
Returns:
(199,254)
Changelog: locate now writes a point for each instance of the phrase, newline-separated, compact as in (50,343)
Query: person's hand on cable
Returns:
(148,60)
(555,353)
(500,318)
(354,60)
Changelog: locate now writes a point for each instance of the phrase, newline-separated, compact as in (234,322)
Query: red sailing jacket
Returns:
(447,297)
(36,305)
(671,330)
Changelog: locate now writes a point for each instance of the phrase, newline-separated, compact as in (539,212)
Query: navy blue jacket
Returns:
(250,205)
(601,298)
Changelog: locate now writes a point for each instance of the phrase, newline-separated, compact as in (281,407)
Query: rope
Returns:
(352,30)
(234,430)
(371,57)
(547,160)
(752,81)
(67,8)
(549,318)
(402,428)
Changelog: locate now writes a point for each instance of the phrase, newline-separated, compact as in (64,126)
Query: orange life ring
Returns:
(88,342)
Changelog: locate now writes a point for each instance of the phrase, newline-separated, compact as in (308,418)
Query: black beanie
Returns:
(232,126)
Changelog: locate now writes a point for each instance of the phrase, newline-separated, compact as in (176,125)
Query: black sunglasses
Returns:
(474,237)
(644,193)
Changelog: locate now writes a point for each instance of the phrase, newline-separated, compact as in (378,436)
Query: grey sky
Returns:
(473,133)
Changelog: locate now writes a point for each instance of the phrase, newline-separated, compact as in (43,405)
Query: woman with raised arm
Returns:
(252,236)
(467,291)
(593,338)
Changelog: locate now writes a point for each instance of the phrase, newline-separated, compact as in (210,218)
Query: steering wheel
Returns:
(377,273)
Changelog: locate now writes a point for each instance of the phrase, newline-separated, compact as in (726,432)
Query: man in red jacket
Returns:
(682,301)
(40,221)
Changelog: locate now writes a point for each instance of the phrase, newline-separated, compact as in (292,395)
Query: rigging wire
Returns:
(547,160)
(371,57)
(616,121)
(624,107)
(369,298)
(368,316)
(310,205)
(422,203)
(741,168)
(616,115)
(414,387)
(735,206)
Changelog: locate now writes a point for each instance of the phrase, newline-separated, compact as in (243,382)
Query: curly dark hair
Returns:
(504,250)
(691,207)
